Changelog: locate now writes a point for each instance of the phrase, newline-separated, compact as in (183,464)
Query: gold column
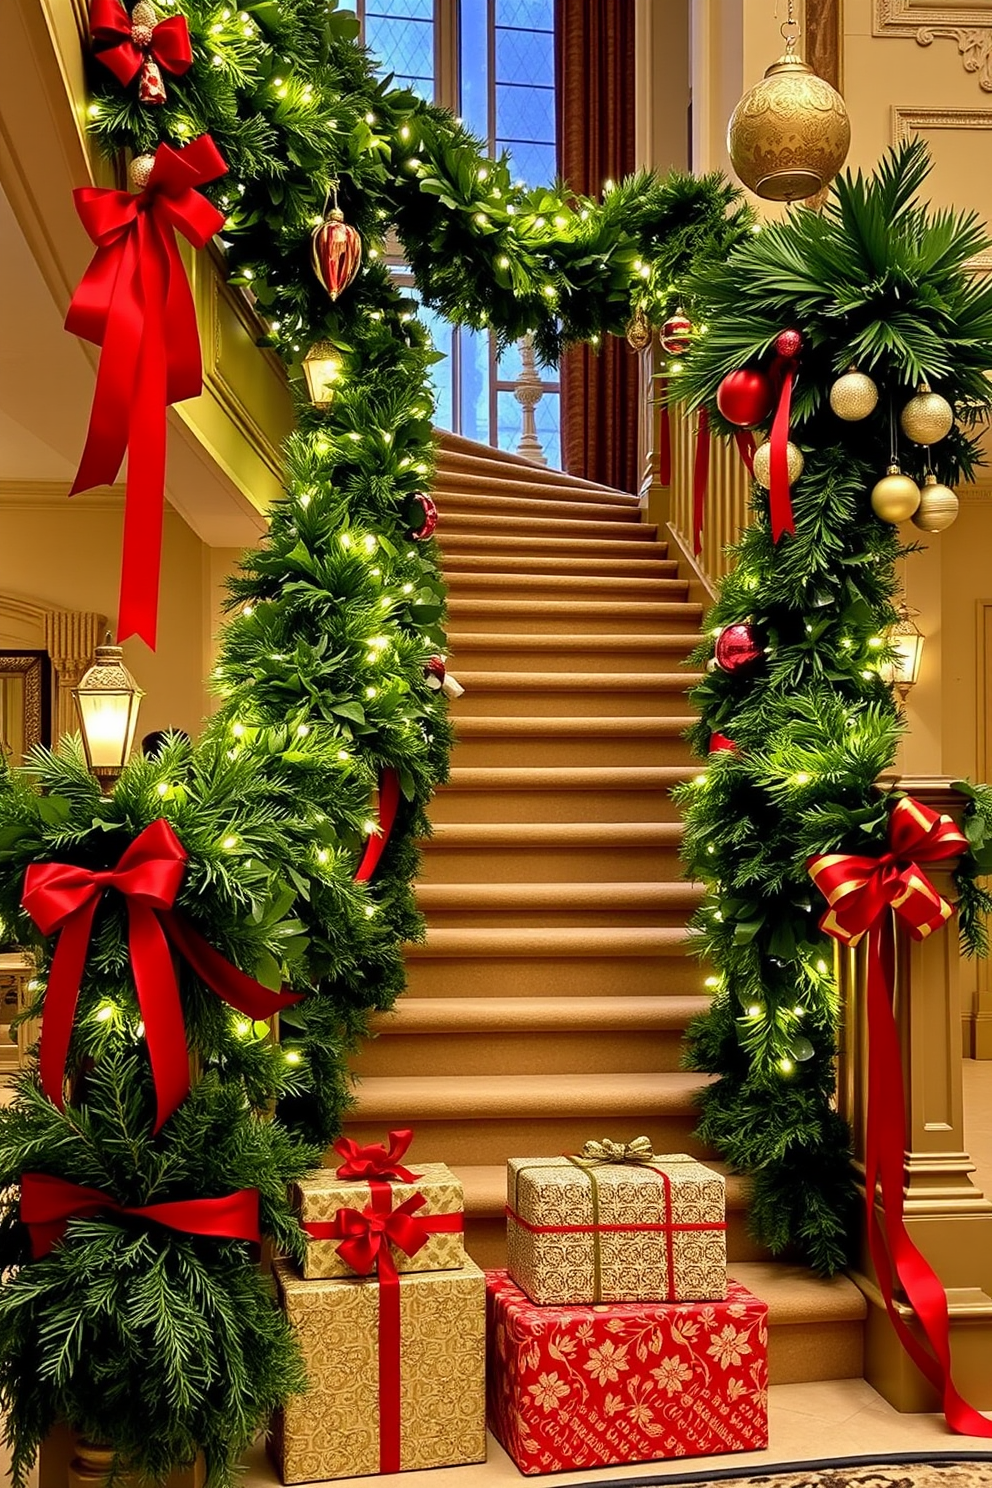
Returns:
(71,637)
(947,1216)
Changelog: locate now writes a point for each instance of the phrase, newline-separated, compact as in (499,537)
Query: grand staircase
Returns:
(549,1000)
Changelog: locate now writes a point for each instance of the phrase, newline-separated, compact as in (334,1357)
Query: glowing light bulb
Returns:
(162,788)
(229,843)
(105,1012)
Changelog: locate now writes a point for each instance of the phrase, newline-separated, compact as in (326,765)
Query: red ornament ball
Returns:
(434,673)
(720,744)
(737,647)
(422,507)
(788,344)
(745,397)
(675,334)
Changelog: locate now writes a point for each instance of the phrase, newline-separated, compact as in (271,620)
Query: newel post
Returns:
(947,1215)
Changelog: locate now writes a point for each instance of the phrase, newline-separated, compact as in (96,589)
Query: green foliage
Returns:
(878,280)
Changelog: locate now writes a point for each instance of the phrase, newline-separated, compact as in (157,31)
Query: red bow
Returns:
(374,1160)
(860,893)
(64,897)
(134,301)
(125,53)
(47,1205)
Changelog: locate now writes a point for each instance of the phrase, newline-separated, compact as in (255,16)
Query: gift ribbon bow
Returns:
(125,54)
(134,302)
(366,1237)
(62,899)
(48,1204)
(860,893)
(639,1150)
(376,1160)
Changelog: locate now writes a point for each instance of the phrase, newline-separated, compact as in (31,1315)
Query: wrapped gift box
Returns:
(318,1197)
(334,1430)
(614,1232)
(584,1387)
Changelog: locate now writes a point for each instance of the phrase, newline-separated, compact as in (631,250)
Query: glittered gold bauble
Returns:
(853,396)
(926,418)
(143,22)
(789,136)
(639,330)
(895,497)
(763,463)
(938,506)
(139,171)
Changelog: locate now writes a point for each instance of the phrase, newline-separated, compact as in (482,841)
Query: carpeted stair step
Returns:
(506,483)
(563,586)
(494,1035)
(640,565)
(566,653)
(584,852)
(485,1213)
(485,1119)
(533,905)
(815,1323)
(498,546)
(592,962)
(572,694)
(494,739)
(552,520)
(456,451)
(541,793)
(573,616)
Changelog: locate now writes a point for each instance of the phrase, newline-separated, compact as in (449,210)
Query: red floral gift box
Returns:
(594,1386)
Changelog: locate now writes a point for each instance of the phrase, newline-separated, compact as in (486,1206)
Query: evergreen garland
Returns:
(153,1342)
(878,280)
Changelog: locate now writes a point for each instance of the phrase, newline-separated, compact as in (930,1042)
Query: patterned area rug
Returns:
(912,1471)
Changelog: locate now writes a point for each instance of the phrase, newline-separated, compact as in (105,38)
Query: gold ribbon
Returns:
(638,1152)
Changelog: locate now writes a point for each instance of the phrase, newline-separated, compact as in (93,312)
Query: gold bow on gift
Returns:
(639,1150)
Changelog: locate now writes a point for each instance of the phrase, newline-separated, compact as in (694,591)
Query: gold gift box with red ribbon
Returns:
(616,1224)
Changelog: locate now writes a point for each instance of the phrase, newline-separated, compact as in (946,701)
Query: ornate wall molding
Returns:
(927,23)
(69,637)
(909,121)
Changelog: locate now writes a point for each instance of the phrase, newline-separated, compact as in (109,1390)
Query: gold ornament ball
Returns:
(938,506)
(789,136)
(926,418)
(143,21)
(895,497)
(763,463)
(853,396)
(139,171)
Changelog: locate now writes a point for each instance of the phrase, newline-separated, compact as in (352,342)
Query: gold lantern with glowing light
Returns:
(321,368)
(790,134)
(107,700)
(903,671)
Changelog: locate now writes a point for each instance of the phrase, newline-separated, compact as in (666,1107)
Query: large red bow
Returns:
(860,894)
(365,1244)
(135,302)
(124,53)
(64,897)
(48,1204)
(375,1160)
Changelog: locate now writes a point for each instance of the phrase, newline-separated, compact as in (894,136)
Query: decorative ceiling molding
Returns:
(927,23)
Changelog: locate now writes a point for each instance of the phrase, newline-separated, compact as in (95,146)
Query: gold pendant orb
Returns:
(789,136)
(139,171)
(639,331)
(938,506)
(895,497)
(763,463)
(926,418)
(853,396)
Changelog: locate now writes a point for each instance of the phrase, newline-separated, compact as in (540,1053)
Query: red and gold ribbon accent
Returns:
(375,1160)
(62,899)
(389,800)
(134,301)
(433,1224)
(700,479)
(744,440)
(860,892)
(779,500)
(366,1235)
(126,54)
(48,1204)
(664,435)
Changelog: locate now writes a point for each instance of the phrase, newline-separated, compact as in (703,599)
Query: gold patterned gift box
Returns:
(318,1197)
(593,1229)
(343,1426)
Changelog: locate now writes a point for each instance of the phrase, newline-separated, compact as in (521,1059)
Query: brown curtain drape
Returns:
(594,82)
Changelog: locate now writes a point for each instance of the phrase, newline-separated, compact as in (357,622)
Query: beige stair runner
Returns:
(550,998)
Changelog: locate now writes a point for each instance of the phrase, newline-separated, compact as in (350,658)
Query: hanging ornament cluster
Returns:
(335,250)
(789,136)
(639,333)
(747,397)
(738,648)
(927,418)
(140,45)
(421,514)
(938,506)
(676,334)
(853,396)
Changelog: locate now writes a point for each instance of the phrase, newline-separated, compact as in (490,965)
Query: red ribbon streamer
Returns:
(434,1224)
(744,440)
(664,436)
(47,1205)
(367,1235)
(375,1160)
(169,46)
(63,897)
(779,500)
(700,479)
(134,301)
(389,800)
(860,892)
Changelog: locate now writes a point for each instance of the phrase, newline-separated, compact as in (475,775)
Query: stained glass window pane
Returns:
(509,421)
(525,113)
(547,416)
(443,334)
(535,165)
(509,366)
(530,15)
(404,46)
(416,10)
(474,67)
(474,353)
(525,57)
